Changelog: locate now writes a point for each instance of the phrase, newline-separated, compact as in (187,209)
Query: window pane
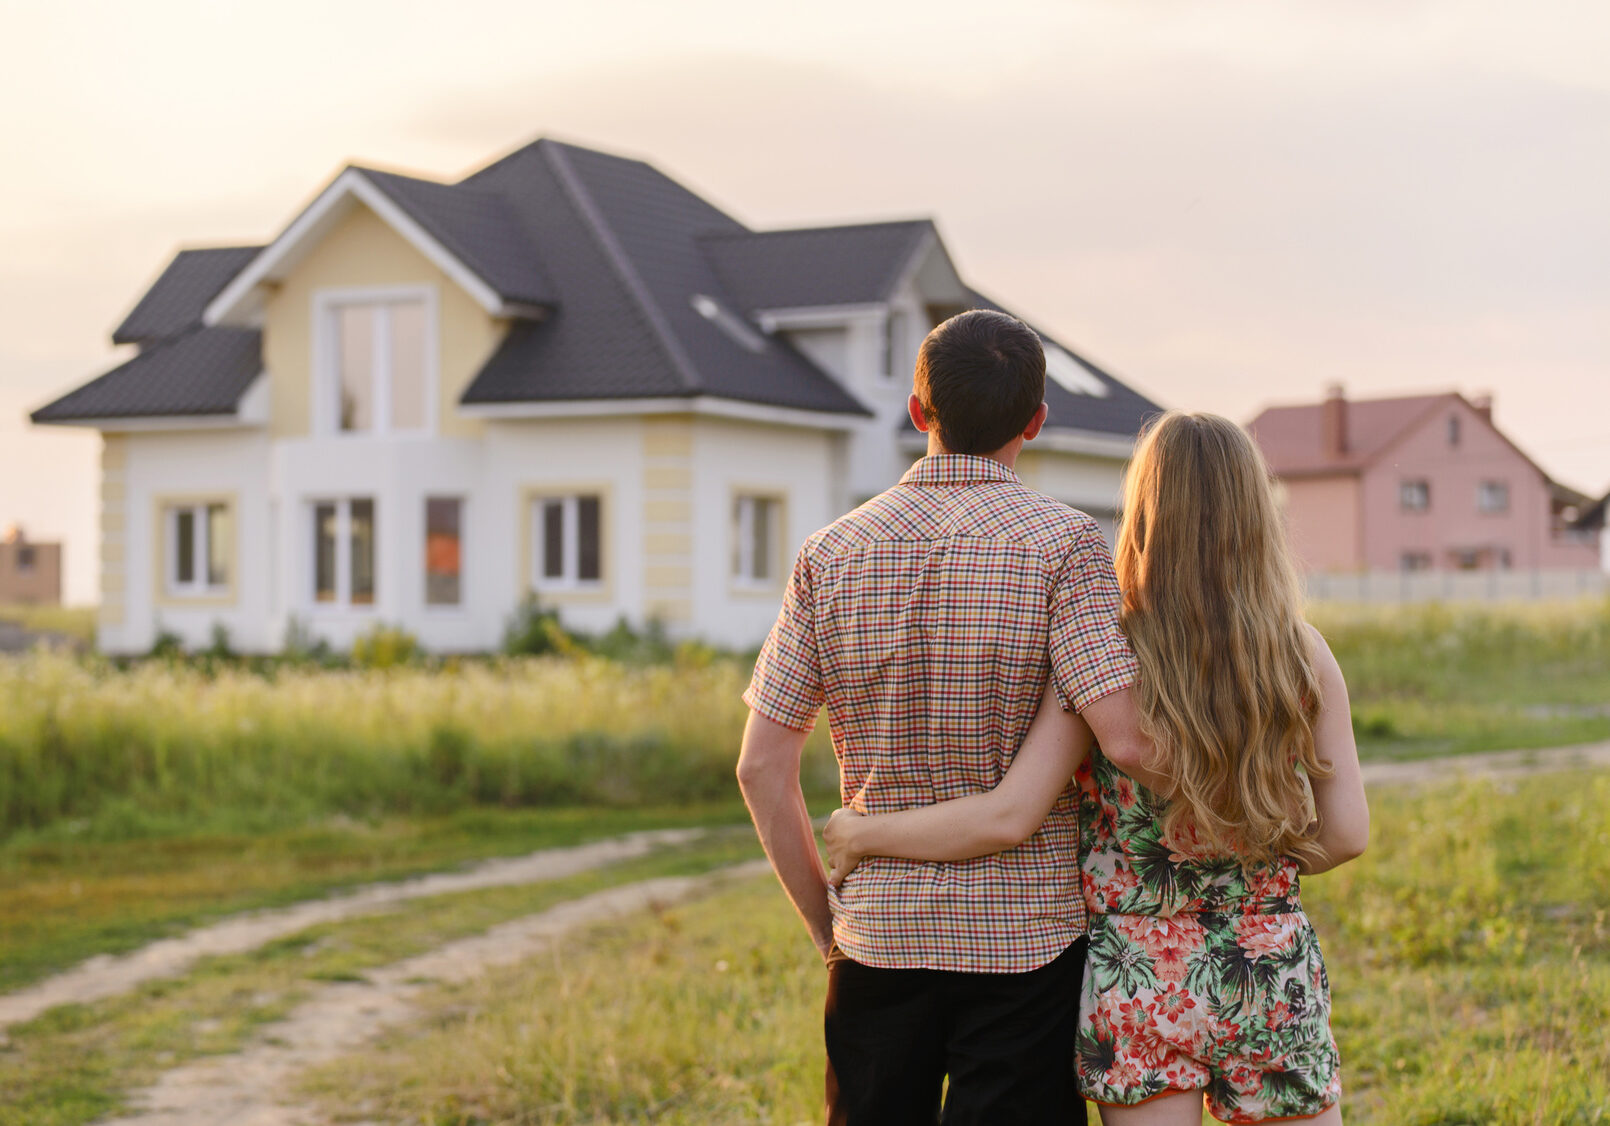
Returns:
(589,560)
(363,552)
(184,549)
(218,532)
(408,365)
(553,539)
(740,525)
(764,510)
(442,516)
(355,345)
(324,533)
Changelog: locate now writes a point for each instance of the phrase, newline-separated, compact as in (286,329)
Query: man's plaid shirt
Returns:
(928,621)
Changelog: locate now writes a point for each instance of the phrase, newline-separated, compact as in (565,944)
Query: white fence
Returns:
(1456,586)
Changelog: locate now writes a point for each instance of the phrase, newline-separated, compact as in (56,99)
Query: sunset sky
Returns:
(1226,202)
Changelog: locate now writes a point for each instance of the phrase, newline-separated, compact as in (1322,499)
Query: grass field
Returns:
(62,901)
(75,1063)
(1429,680)
(1469,954)
(137,801)
(92,750)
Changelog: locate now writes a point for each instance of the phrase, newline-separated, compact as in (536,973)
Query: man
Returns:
(928,622)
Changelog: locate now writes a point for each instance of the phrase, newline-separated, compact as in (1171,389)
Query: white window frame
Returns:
(343,556)
(1424,487)
(201,585)
(570,533)
(327,359)
(1486,490)
(424,543)
(743,526)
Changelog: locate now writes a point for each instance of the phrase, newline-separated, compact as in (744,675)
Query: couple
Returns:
(1077,801)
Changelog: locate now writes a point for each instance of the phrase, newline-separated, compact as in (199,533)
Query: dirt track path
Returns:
(1490,764)
(108,976)
(251,1087)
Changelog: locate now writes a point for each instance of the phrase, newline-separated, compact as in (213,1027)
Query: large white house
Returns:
(565,373)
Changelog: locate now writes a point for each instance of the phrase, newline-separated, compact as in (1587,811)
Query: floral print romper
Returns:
(1201,976)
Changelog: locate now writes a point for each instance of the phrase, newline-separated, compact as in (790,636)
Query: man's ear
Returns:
(914,409)
(1032,430)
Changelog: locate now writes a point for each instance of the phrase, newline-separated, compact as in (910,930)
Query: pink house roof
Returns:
(1293,438)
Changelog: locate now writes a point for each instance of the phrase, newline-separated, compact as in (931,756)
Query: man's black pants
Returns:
(1005,1040)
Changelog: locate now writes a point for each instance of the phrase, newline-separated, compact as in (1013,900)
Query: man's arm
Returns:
(1115,720)
(768,775)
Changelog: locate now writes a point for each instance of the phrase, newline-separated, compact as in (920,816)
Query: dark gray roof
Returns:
(620,241)
(478,228)
(815,265)
(176,299)
(1121,412)
(205,371)
(644,290)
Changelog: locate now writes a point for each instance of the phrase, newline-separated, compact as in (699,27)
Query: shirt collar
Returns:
(938,470)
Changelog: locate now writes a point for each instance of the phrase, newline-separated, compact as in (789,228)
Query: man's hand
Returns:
(768,775)
(840,837)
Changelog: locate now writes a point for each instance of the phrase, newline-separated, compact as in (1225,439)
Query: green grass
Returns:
(76,1063)
(1431,680)
(174,748)
(63,899)
(1469,954)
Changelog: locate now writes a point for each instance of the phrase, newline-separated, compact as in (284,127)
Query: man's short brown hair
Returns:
(980,377)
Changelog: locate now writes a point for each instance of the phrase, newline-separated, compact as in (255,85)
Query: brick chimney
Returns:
(1483,405)
(1333,422)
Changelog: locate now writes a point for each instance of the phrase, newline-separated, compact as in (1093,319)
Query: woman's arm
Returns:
(978,824)
(1343,811)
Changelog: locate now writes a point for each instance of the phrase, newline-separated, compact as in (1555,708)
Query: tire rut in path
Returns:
(1488,764)
(108,975)
(253,1087)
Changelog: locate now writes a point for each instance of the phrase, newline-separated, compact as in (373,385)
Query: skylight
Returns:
(728,322)
(1072,374)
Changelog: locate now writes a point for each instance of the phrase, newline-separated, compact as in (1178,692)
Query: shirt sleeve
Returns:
(787,685)
(1090,656)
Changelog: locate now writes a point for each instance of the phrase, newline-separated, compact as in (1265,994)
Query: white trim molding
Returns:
(817,316)
(239,302)
(699,404)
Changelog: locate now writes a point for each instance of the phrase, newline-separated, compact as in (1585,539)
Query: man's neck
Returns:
(1006,455)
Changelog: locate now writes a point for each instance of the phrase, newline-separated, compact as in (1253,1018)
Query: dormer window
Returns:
(379,371)
(1453,430)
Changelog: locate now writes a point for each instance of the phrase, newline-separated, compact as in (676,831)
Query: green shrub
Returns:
(385,647)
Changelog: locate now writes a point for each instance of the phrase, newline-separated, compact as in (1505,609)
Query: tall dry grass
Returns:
(168,743)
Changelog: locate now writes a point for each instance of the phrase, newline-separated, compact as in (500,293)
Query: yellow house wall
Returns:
(363,251)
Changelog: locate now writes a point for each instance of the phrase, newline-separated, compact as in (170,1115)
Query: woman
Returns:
(1204,977)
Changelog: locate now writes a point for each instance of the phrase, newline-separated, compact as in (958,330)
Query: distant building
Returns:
(1422,483)
(1593,519)
(565,374)
(30,573)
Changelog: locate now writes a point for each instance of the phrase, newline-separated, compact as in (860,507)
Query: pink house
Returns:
(1420,483)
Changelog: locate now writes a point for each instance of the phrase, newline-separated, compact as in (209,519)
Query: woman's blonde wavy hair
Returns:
(1213,610)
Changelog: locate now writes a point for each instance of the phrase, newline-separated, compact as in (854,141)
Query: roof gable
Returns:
(468,235)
